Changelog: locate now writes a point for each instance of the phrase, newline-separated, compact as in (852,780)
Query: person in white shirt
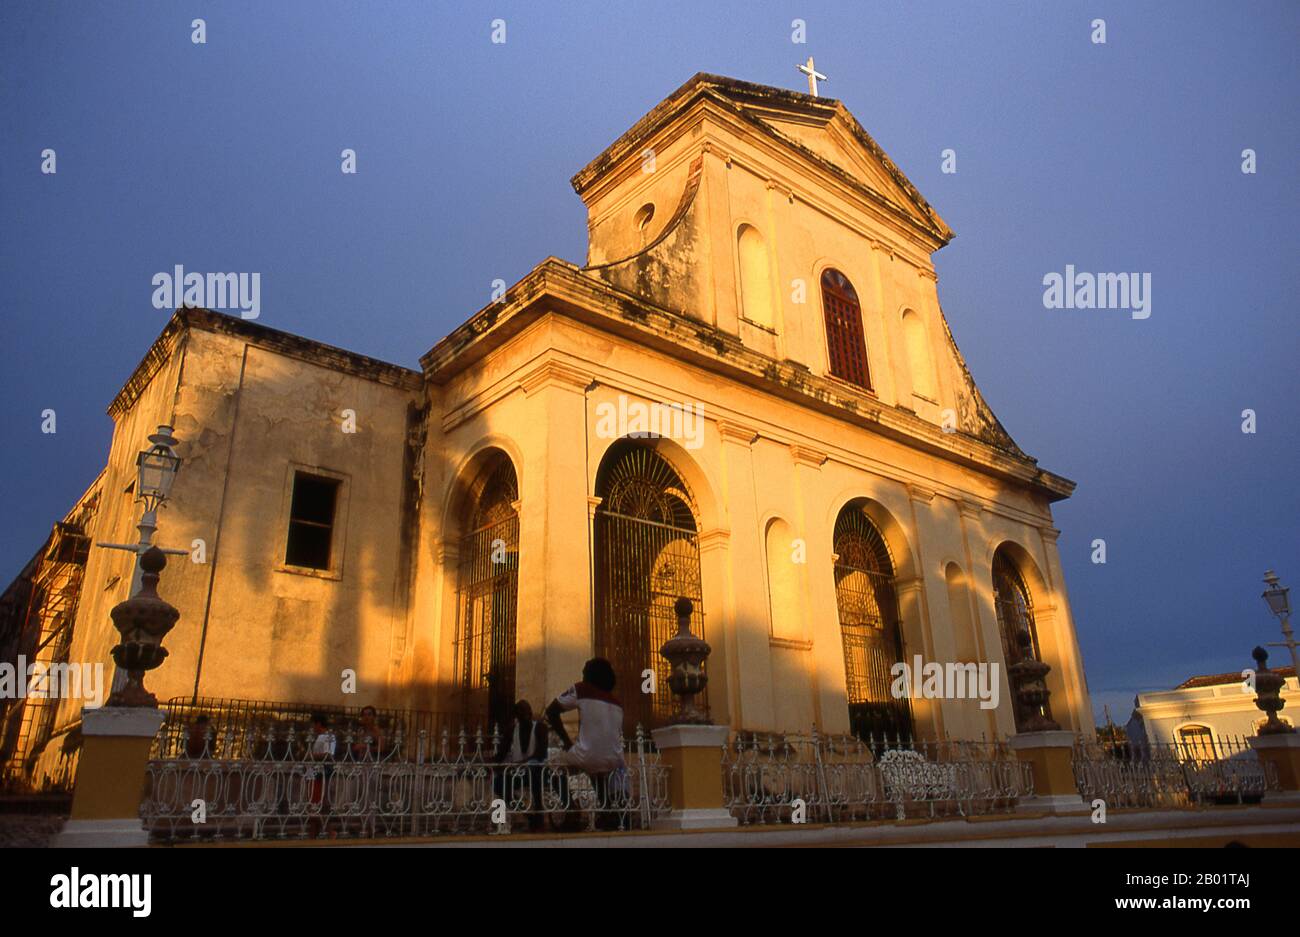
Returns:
(599,749)
(323,748)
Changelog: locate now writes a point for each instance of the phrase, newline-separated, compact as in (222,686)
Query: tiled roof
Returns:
(1220,679)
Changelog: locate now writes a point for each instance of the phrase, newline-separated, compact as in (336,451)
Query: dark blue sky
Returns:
(1115,157)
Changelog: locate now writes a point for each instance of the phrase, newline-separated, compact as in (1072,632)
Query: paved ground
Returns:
(32,829)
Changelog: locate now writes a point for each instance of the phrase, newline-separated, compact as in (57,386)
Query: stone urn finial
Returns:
(142,620)
(686,655)
(1028,678)
(1268,694)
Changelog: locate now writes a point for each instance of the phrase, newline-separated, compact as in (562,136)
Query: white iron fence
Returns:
(1125,774)
(281,782)
(773,778)
(288,786)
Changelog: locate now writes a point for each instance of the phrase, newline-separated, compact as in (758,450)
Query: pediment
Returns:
(833,143)
(822,130)
(826,131)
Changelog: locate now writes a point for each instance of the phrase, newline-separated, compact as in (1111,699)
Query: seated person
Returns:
(599,749)
(524,743)
(324,748)
(198,743)
(368,740)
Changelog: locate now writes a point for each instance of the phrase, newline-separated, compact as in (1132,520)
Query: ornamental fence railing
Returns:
(288,784)
(1129,774)
(230,725)
(776,778)
(258,771)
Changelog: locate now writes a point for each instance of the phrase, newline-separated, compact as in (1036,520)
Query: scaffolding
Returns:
(45,639)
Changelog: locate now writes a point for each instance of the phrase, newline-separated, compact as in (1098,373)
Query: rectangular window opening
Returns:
(311,521)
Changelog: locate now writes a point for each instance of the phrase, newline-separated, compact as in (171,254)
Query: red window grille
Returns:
(844,339)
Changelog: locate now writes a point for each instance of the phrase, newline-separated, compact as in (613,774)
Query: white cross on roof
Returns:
(814,76)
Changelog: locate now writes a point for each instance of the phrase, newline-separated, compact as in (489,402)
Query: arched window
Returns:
(918,356)
(1196,743)
(647,555)
(755,278)
(487,593)
(844,342)
(1015,611)
(869,626)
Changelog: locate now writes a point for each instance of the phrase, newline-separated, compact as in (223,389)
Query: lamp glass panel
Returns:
(157,471)
(1277,601)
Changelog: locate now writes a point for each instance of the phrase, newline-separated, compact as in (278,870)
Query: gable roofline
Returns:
(285,343)
(744,98)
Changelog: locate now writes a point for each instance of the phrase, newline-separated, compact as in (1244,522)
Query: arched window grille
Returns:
(647,555)
(1015,610)
(487,596)
(869,625)
(1196,743)
(845,343)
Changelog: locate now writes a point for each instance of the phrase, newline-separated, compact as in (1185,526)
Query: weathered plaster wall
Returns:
(308,626)
(246,416)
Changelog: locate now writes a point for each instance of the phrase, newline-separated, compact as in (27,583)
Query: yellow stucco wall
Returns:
(761,459)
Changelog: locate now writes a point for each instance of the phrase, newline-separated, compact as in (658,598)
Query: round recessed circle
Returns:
(643,215)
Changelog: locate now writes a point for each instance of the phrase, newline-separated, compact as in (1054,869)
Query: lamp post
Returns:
(1279,604)
(155,469)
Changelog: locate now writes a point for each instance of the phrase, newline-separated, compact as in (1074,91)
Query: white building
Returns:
(1206,711)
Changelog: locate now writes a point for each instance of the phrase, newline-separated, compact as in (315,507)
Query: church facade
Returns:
(747,396)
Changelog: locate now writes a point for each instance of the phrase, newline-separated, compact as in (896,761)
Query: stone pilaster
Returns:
(1077,712)
(742,637)
(719,619)
(555,626)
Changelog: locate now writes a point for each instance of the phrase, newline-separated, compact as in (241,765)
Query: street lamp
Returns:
(1279,604)
(156,469)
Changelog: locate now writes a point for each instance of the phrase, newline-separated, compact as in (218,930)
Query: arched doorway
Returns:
(867,600)
(1015,609)
(647,555)
(487,593)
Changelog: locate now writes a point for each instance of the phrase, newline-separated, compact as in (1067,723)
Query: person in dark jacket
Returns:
(522,751)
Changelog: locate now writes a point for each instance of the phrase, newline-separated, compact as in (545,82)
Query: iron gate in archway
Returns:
(647,555)
(487,600)
(870,628)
